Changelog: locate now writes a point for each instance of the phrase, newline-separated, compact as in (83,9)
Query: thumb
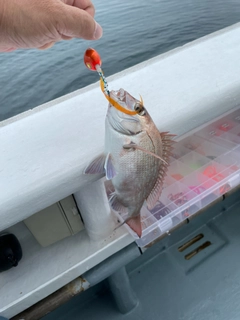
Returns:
(77,23)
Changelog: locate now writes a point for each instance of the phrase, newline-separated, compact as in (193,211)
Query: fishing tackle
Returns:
(93,62)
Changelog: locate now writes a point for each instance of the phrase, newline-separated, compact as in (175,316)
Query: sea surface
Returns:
(134,31)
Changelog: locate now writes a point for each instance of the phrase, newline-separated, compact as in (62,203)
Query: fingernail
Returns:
(98,31)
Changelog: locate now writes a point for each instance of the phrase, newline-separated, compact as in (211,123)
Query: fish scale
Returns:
(135,166)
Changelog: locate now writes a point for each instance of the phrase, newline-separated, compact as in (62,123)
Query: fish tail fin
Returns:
(134,223)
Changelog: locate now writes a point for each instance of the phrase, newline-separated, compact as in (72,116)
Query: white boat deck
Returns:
(44,152)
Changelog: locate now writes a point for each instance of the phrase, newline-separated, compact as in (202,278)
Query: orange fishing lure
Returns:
(93,62)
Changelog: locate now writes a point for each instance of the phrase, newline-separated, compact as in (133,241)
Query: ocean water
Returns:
(134,31)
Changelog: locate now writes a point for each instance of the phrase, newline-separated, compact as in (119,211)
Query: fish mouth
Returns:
(124,99)
(121,121)
(121,116)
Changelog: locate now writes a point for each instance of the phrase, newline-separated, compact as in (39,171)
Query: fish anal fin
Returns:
(109,167)
(135,224)
(109,188)
(116,204)
(96,166)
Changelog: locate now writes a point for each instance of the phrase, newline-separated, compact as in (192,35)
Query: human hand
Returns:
(41,23)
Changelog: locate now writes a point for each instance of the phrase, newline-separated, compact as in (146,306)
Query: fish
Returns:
(135,158)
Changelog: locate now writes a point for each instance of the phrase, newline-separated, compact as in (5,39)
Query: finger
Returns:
(85,5)
(47,46)
(77,23)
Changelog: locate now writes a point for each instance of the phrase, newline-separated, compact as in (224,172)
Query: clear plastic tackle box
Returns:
(205,164)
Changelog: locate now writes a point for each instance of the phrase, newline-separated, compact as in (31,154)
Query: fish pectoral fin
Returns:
(116,204)
(109,167)
(96,166)
(135,146)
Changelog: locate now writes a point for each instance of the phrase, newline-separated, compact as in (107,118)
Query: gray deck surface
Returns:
(169,287)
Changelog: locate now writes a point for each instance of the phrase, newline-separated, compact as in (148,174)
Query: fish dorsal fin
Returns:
(157,189)
(109,188)
(116,204)
(96,166)
(109,167)
(167,142)
(167,138)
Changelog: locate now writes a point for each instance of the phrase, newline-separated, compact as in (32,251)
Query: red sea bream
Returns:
(135,158)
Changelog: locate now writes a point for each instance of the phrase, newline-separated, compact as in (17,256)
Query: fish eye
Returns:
(139,108)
